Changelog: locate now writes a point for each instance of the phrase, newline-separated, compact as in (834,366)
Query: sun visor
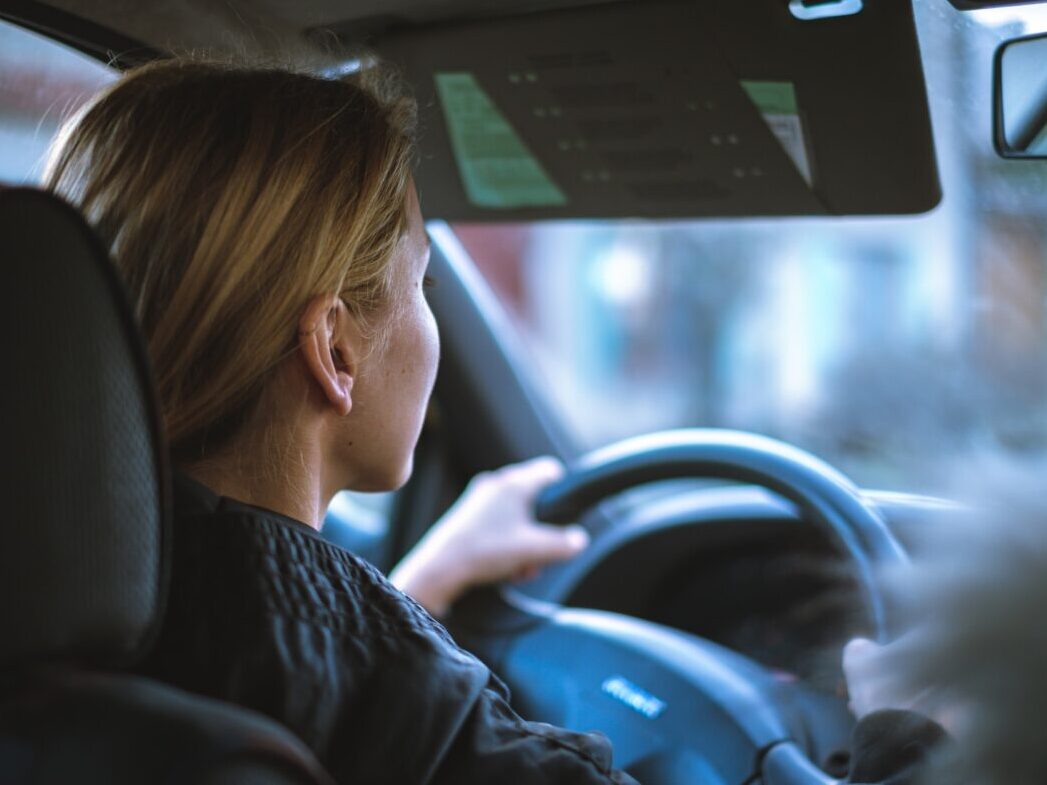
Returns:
(670,109)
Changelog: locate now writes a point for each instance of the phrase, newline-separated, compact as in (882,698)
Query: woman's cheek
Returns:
(435,342)
(430,340)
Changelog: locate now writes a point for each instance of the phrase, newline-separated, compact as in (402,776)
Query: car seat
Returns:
(86,536)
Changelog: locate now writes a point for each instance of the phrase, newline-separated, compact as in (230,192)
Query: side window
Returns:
(41,83)
(360,522)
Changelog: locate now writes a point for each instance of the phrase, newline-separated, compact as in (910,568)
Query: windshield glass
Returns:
(883,345)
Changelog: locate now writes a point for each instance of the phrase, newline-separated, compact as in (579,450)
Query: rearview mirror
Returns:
(1020,101)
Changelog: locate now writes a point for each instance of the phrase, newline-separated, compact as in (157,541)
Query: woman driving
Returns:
(268,230)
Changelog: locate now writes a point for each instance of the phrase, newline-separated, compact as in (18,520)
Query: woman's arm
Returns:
(488,535)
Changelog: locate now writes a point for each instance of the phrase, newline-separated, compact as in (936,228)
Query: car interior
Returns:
(701,630)
(89,572)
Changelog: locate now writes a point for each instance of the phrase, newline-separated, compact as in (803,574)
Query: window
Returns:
(360,522)
(41,83)
(886,345)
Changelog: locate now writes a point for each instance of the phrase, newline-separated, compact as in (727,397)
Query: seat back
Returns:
(84,537)
(84,487)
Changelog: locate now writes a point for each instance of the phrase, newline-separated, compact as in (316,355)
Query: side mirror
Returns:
(1020,100)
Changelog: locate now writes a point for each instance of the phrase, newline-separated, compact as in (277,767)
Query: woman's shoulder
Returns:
(279,566)
(268,614)
(263,612)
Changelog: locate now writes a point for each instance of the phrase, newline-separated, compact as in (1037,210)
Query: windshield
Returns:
(885,346)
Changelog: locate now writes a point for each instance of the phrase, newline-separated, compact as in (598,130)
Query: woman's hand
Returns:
(869,681)
(488,535)
(872,674)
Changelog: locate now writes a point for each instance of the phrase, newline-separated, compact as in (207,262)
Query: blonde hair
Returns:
(228,197)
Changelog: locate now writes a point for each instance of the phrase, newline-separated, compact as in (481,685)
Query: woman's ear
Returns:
(325,342)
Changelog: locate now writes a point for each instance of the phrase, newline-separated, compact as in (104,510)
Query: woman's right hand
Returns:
(489,535)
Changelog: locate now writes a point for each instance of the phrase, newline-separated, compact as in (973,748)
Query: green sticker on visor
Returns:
(776,102)
(497,169)
(772,97)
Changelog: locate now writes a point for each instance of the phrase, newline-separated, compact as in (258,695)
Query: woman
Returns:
(268,230)
(194,261)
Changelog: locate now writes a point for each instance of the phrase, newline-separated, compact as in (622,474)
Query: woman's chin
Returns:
(384,481)
(405,473)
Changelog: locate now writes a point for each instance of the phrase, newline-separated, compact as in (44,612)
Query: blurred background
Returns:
(886,346)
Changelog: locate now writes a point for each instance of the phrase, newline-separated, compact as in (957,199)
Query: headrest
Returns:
(83,491)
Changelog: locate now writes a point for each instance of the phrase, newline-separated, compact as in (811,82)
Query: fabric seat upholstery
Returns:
(85,539)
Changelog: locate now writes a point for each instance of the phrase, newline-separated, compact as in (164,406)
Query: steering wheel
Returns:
(677,708)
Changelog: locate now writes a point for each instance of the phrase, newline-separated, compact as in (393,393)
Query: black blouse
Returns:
(265,613)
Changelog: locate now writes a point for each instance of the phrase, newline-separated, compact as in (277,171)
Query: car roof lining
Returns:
(265,28)
(651,147)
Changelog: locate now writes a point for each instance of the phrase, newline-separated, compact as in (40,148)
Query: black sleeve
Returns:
(495,745)
(890,747)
